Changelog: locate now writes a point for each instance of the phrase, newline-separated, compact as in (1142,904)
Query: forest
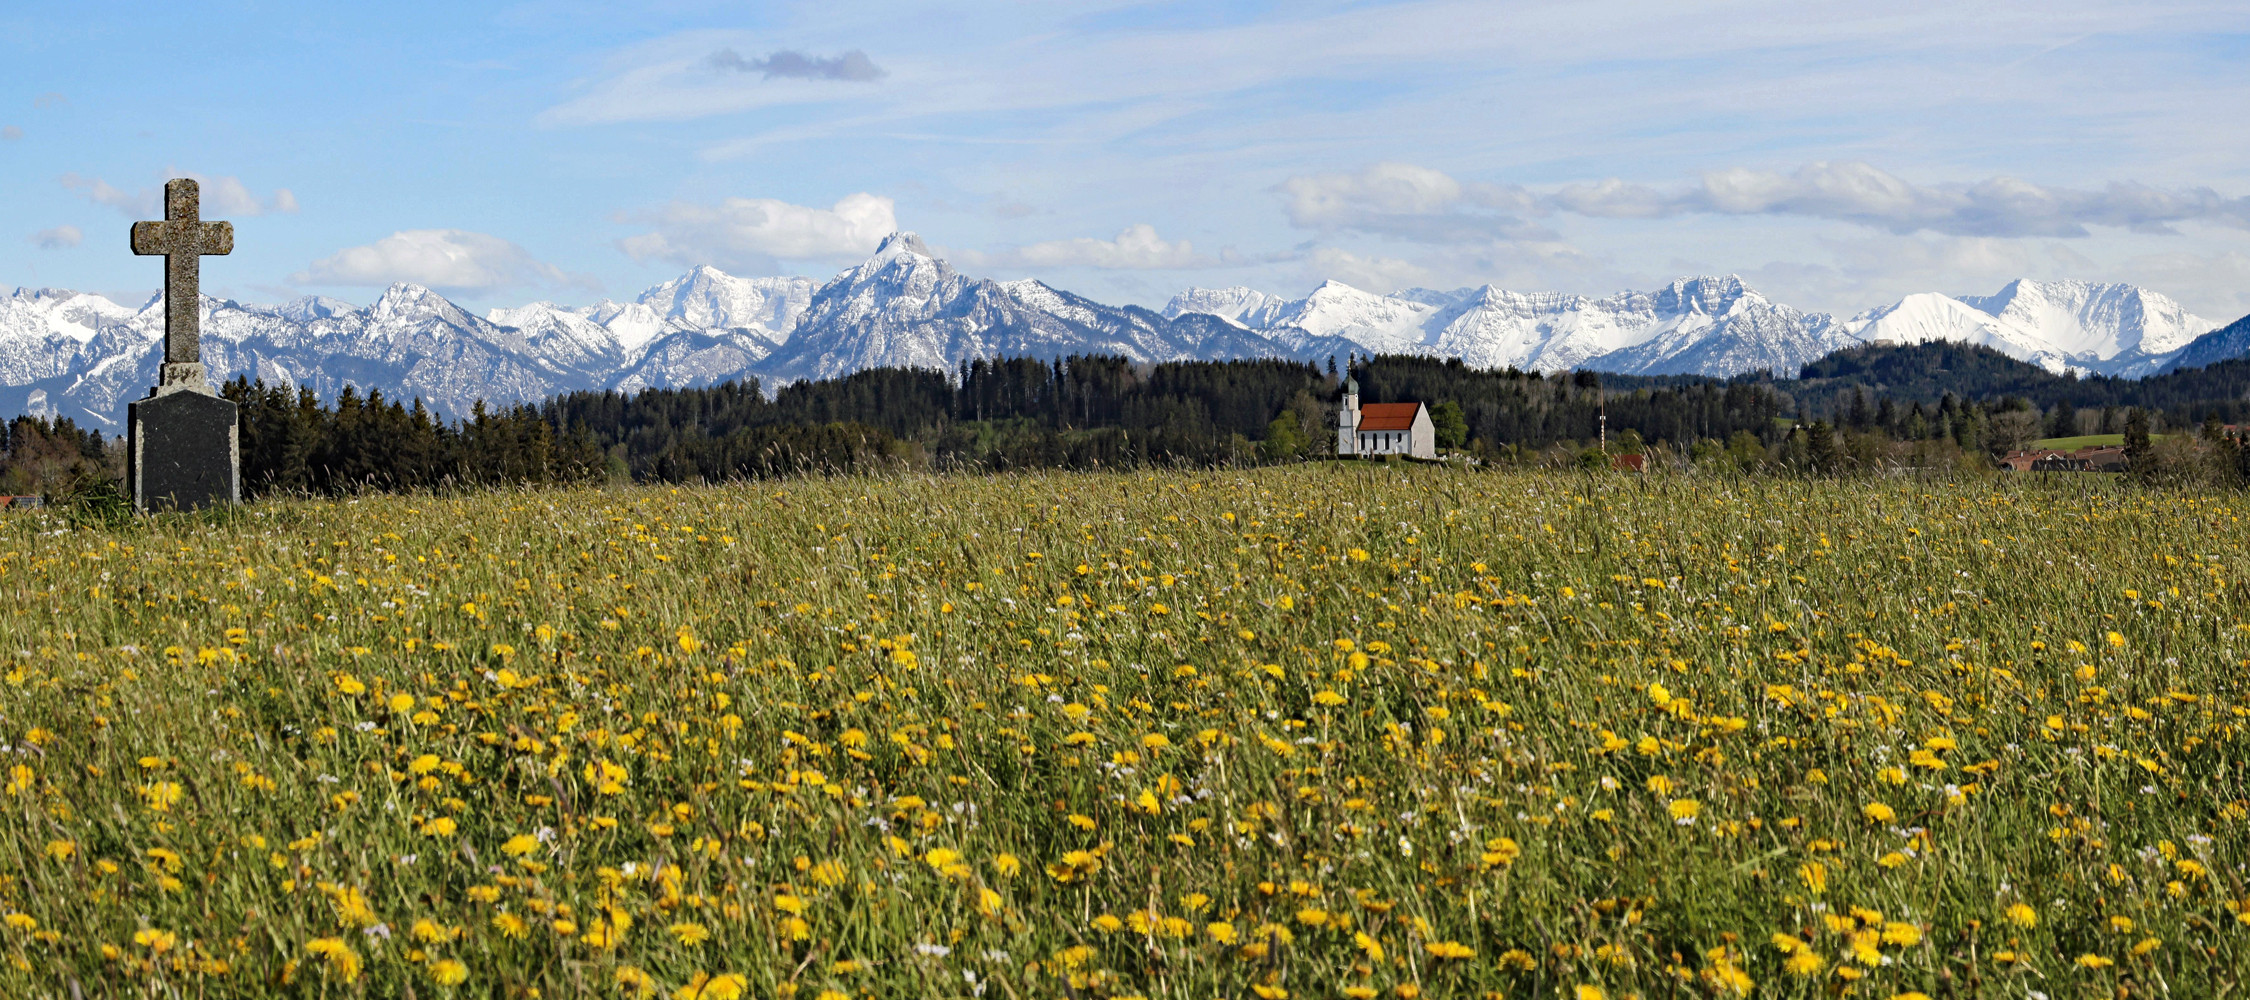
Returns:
(1927,406)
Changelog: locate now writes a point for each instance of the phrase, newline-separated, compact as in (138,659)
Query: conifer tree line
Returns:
(1856,410)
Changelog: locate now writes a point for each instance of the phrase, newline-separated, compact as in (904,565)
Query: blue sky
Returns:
(1836,155)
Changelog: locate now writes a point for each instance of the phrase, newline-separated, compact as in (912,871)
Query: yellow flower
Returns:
(1815,876)
(402,703)
(1586,992)
(1877,812)
(442,826)
(2094,961)
(1684,810)
(448,972)
(156,941)
(1804,965)
(1220,931)
(1449,949)
(1902,935)
(690,933)
(343,962)
(947,861)
(2023,916)
(632,982)
(1368,945)
(520,845)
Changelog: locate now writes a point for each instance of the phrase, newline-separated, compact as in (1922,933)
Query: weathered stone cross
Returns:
(183,238)
(183,443)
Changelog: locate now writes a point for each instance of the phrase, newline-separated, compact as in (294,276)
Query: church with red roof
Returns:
(1373,430)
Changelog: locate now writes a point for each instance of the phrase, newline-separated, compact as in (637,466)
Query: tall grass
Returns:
(1295,732)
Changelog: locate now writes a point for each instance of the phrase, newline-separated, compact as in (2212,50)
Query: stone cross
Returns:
(183,238)
(183,443)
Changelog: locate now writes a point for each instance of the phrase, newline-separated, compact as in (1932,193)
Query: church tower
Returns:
(1347,419)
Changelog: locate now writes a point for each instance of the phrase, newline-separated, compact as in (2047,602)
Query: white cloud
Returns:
(2216,286)
(58,238)
(1408,202)
(11,133)
(1138,248)
(221,197)
(752,233)
(1376,274)
(444,259)
(1849,275)
(1859,193)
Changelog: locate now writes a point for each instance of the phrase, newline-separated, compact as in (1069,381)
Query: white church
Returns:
(1378,429)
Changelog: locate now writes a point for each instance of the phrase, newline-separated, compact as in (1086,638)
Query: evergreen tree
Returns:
(2136,438)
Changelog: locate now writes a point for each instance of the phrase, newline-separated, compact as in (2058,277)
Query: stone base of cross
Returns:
(184,376)
(183,442)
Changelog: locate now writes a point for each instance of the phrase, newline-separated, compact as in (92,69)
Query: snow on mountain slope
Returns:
(1711,326)
(2224,344)
(84,356)
(1243,307)
(2057,325)
(1384,324)
(2082,319)
(707,298)
(562,333)
(905,307)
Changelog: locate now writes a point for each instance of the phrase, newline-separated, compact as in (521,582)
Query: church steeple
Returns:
(1347,419)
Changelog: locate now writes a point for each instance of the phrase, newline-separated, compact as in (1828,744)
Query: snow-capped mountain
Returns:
(1705,326)
(905,307)
(1720,326)
(2057,325)
(2224,344)
(84,356)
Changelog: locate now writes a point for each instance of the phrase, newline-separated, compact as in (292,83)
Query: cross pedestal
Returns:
(182,441)
(182,451)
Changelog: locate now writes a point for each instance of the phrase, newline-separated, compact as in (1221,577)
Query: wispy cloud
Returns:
(221,197)
(1138,248)
(853,66)
(1409,202)
(1866,195)
(50,99)
(11,133)
(1424,205)
(58,238)
(755,233)
(444,259)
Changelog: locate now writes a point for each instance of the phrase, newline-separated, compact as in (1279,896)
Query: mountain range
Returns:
(84,356)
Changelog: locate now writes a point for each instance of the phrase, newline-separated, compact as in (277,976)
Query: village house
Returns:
(2104,458)
(1377,429)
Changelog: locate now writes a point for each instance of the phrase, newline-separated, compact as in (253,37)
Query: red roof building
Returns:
(1377,429)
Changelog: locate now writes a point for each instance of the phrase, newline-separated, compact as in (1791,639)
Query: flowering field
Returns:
(1330,730)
